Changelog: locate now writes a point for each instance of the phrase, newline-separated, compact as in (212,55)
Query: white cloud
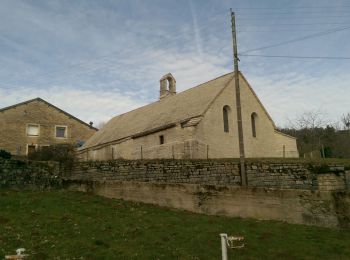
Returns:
(85,104)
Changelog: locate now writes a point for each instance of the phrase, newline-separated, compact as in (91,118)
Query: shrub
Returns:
(62,153)
(5,155)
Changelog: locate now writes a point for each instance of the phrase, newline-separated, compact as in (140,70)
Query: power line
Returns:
(293,13)
(293,7)
(279,30)
(292,17)
(296,57)
(291,24)
(298,39)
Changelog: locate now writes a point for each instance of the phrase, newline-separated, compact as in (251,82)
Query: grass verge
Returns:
(71,225)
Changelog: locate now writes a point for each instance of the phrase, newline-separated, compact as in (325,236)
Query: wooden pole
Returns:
(238,102)
(207,151)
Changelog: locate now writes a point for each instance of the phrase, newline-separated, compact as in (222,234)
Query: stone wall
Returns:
(292,192)
(216,172)
(26,174)
(166,171)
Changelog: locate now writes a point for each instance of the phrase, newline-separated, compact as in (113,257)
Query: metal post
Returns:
(207,151)
(238,102)
(172,150)
(223,246)
(284,151)
(141,153)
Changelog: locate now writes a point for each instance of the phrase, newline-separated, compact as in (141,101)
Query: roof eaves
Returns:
(286,135)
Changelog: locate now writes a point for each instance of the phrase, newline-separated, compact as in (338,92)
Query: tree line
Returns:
(318,138)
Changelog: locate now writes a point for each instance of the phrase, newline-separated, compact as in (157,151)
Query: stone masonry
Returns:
(14,123)
(215,172)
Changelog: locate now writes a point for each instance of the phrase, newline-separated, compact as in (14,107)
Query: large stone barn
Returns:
(27,126)
(200,122)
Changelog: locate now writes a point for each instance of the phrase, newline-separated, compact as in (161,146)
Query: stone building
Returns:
(28,125)
(200,122)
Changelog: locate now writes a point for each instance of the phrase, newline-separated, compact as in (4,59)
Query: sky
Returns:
(98,59)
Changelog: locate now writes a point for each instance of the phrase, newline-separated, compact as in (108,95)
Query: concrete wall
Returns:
(13,127)
(294,206)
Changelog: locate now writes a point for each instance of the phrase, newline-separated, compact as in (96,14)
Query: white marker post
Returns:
(223,246)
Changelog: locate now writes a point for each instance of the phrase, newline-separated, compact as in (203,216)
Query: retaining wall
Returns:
(293,192)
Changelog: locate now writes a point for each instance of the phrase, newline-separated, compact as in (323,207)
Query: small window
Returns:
(161,139)
(225,112)
(61,131)
(32,130)
(253,119)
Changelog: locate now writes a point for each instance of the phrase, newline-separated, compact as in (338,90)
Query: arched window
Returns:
(254,117)
(226,111)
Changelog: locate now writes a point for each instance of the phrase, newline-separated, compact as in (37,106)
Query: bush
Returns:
(62,153)
(5,155)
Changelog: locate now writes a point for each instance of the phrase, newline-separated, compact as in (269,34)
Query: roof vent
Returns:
(167,86)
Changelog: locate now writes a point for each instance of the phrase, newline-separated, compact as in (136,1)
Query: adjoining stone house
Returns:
(200,122)
(34,123)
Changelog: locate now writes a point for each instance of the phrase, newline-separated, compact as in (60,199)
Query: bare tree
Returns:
(346,121)
(309,120)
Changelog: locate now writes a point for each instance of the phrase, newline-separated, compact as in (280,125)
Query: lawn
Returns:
(72,225)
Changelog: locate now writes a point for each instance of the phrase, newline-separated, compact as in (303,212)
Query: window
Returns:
(254,117)
(225,112)
(161,139)
(32,130)
(61,132)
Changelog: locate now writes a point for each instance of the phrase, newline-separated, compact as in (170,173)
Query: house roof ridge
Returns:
(49,104)
(173,105)
(177,94)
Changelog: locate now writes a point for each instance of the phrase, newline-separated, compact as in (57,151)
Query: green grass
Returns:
(71,225)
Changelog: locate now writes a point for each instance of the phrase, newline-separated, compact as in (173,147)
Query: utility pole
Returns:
(238,102)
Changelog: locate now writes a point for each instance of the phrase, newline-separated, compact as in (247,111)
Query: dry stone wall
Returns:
(168,171)
(217,172)
(26,174)
(205,172)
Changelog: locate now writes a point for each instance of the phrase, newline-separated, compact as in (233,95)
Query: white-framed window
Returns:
(60,131)
(33,130)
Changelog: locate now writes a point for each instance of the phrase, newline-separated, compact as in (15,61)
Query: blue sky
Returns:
(97,59)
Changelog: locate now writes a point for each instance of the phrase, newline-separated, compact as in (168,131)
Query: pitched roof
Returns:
(165,113)
(49,104)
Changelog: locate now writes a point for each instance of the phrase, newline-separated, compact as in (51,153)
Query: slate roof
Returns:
(186,107)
